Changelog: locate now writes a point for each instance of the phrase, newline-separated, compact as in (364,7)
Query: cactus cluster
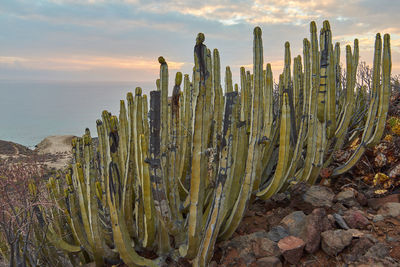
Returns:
(175,174)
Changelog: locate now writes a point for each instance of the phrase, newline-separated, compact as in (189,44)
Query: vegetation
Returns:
(172,176)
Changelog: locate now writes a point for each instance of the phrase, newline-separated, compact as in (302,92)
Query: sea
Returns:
(33,110)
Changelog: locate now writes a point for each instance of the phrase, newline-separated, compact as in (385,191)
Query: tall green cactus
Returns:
(176,176)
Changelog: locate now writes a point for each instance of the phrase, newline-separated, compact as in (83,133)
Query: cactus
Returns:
(176,178)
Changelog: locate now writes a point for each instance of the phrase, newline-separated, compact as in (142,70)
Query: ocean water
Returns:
(32,110)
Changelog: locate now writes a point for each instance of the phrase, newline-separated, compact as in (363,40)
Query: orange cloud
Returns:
(89,63)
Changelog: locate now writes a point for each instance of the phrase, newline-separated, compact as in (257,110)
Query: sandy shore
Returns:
(54,151)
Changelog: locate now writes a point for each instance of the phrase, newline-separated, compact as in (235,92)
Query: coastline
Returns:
(53,151)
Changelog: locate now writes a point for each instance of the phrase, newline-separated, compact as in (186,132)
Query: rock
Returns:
(264,248)
(355,219)
(376,203)
(347,198)
(294,223)
(395,171)
(328,223)
(313,229)
(390,209)
(268,262)
(297,192)
(213,264)
(276,233)
(358,248)
(334,241)
(380,160)
(339,208)
(378,250)
(362,199)
(355,233)
(247,248)
(291,248)
(340,221)
(378,218)
(319,196)
(280,199)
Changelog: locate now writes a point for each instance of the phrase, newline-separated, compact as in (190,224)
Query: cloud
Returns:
(129,35)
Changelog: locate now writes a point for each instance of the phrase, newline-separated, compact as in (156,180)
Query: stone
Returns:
(294,223)
(379,250)
(291,248)
(355,233)
(362,199)
(328,223)
(334,241)
(319,196)
(390,209)
(280,199)
(265,247)
(376,203)
(313,229)
(340,221)
(378,218)
(347,198)
(247,248)
(355,219)
(339,208)
(395,171)
(358,248)
(380,160)
(276,233)
(268,262)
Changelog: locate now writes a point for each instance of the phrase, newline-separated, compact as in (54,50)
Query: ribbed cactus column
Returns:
(172,176)
(254,146)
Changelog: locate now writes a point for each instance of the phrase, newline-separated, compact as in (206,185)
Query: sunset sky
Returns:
(120,40)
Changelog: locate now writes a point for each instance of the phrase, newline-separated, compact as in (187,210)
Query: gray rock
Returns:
(347,198)
(378,218)
(378,250)
(319,196)
(340,221)
(276,233)
(334,241)
(390,209)
(395,171)
(295,223)
(358,249)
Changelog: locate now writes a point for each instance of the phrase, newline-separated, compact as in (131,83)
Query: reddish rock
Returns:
(291,248)
(313,229)
(376,203)
(355,219)
(362,199)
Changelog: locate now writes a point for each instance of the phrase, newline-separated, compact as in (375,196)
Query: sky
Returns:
(120,40)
